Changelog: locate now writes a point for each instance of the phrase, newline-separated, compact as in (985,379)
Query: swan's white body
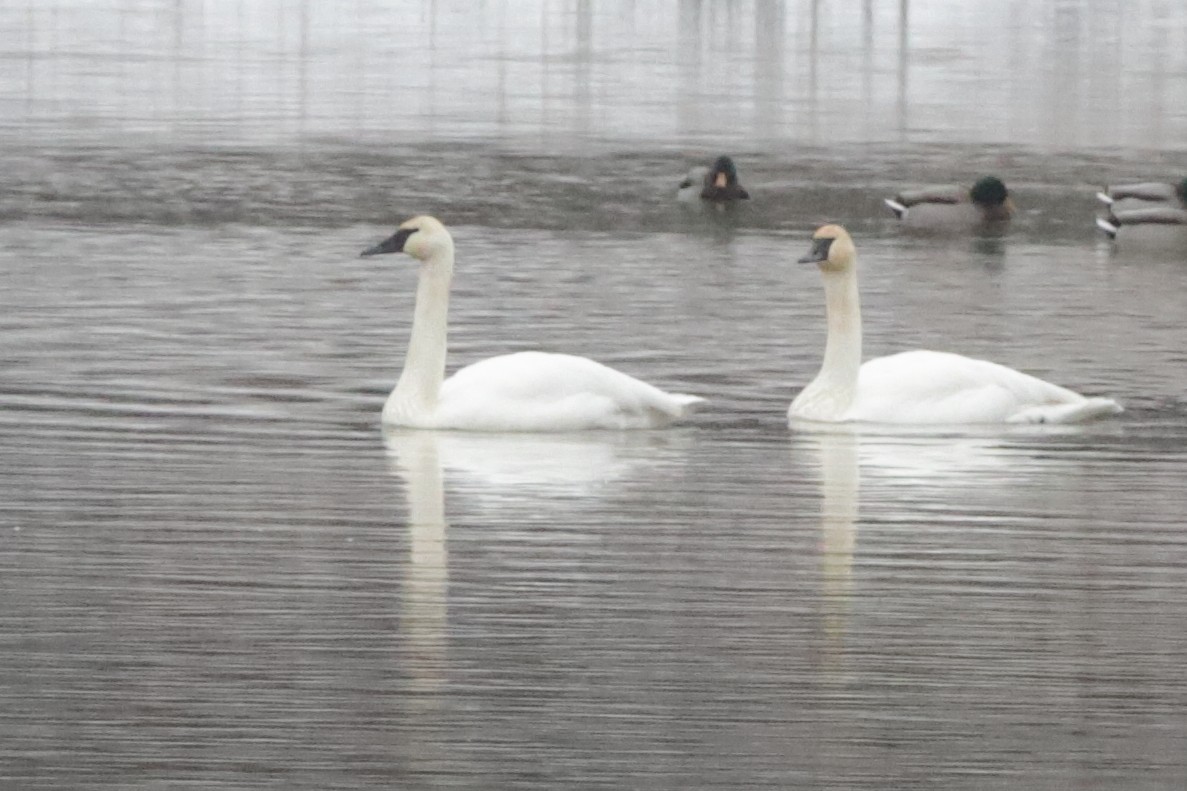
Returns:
(918,387)
(527,391)
(537,391)
(926,387)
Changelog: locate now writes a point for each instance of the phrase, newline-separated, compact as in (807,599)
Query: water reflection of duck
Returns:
(528,391)
(717,184)
(916,387)
(987,204)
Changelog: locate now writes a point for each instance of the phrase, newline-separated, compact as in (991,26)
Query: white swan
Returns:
(527,391)
(920,387)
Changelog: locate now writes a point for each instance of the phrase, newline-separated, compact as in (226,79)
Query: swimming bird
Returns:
(718,184)
(526,391)
(987,202)
(916,387)
(1154,223)
(1141,195)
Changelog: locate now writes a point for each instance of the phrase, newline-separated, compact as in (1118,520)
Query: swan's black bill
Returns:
(392,244)
(819,251)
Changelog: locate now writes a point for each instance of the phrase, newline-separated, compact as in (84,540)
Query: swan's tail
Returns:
(1079,412)
(686,404)
(1104,198)
(668,408)
(1108,227)
(900,211)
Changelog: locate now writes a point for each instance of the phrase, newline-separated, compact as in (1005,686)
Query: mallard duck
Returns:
(1121,197)
(718,184)
(986,203)
(1154,223)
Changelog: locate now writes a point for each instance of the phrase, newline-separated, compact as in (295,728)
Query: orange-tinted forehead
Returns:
(828,232)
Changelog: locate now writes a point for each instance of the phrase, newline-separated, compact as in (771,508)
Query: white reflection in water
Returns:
(836,455)
(425,589)
(936,457)
(508,467)
(912,471)
(495,468)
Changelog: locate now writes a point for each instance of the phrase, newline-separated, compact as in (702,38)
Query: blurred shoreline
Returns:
(1054,76)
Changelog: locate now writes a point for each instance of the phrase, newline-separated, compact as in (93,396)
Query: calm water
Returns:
(216,571)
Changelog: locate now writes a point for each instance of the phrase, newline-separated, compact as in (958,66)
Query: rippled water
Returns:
(217,571)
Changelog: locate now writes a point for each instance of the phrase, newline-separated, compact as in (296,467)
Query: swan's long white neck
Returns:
(842,351)
(419,387)
(831,393)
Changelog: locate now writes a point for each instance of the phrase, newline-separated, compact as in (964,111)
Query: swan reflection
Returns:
(835,456)
(896,470)
(494,468)
(424,593)
(516,467)
(974,456)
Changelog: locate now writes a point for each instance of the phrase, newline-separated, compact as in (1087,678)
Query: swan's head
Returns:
(422,237)
(832,249)
(990,192)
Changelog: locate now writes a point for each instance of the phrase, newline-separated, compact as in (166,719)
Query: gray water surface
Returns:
(217,571)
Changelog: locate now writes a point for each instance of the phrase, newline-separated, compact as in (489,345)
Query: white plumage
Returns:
(527,391)
(939,387)
(537,391)
(917,387)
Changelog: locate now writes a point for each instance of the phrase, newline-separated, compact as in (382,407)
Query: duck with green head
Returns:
(987,202)
(718,184)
